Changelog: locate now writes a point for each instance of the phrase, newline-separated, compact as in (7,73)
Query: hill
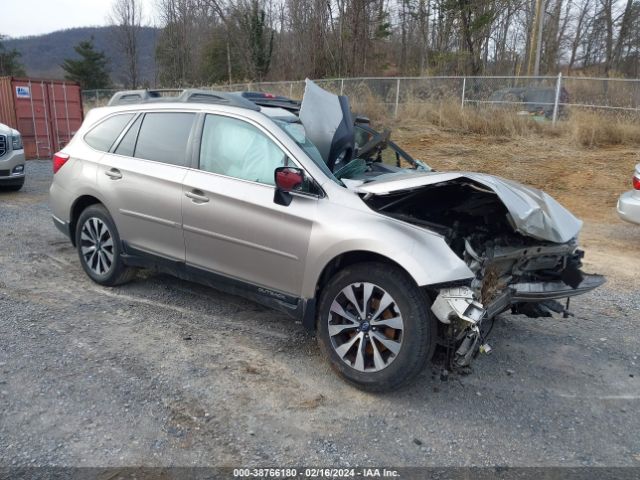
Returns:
(43,54)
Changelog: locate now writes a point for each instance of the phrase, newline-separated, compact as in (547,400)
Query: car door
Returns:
(141,178)
(231,224)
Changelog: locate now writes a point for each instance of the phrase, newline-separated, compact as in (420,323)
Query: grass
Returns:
(592,129)
(497,122)
(585,128)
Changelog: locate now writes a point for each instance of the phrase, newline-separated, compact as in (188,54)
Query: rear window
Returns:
(102,136)
(164,137)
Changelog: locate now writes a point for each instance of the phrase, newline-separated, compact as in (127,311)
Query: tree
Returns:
(91,70)
(9,61)
(476,18)
(126,16)
(175,52)
(260,39)
(223,40)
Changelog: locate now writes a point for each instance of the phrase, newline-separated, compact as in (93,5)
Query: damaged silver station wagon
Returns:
(301,207)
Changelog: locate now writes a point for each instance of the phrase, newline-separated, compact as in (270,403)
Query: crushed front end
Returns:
(520,245)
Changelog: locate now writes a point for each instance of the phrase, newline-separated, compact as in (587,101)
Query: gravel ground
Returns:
(162,372)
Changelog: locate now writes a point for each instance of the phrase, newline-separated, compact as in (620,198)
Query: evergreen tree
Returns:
(9,63)
(90,71)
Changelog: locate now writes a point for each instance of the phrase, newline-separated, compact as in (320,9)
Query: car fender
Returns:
(424,254)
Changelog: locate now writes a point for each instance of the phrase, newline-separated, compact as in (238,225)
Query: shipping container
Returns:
(46,112)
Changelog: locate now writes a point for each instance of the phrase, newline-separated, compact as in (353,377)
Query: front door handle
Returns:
(113,174)
(197,196)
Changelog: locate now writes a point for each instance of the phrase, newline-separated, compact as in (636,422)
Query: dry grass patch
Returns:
(485,120)
(593,129)
(582,128)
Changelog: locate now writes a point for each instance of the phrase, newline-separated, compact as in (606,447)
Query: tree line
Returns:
(210,41)
(205,42)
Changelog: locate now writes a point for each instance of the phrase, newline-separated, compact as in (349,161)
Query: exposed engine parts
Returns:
(512,271)
(457,302)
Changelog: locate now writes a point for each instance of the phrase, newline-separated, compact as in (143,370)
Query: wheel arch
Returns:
(78,206)
(352,257)
(336,264)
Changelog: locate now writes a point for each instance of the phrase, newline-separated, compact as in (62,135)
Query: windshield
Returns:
(296,131)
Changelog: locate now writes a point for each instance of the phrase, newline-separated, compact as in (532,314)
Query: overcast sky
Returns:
(34,17)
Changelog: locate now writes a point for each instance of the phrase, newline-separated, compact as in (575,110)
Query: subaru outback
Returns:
(306,209)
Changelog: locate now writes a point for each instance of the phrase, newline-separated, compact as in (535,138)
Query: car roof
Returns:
(242,103)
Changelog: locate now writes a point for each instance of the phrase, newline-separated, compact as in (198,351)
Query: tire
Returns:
(395,351)
(104,266)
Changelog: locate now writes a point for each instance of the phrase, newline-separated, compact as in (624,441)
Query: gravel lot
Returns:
(163,372)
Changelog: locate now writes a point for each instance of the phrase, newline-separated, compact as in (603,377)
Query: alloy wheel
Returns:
(365,327)
(96,245)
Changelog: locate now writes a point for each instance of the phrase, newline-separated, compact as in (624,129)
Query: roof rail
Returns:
(287,104)
(189,95)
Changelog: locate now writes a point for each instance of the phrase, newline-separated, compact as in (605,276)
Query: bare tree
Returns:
(244,40)
(126,17)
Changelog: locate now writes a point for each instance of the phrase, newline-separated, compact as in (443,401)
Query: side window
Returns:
(164,137)
(128,143)
(237,149)
(102,136)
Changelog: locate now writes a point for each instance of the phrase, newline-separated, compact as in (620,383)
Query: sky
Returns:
(21,18)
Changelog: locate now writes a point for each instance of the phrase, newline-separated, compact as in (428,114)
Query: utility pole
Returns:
(535,47)
(228,59)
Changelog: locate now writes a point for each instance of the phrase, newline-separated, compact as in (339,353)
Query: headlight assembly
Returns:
(16,142)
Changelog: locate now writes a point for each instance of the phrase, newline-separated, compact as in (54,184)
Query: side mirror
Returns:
(286,180)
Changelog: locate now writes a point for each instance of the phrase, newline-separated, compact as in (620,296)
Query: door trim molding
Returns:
(151,218)
(209,233)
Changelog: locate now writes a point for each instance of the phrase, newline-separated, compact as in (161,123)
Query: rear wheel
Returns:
(99,249)
(375,327)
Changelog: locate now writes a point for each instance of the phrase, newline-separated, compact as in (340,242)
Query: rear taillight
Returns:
(59,159)
(636,183)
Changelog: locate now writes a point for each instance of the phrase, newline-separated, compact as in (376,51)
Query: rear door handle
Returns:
(197,196)
(113,174)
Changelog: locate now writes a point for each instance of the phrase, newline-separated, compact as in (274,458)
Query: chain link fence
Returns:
(550,97)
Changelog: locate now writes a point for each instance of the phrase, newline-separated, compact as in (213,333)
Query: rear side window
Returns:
(102,136)
(164,137)
(128,143)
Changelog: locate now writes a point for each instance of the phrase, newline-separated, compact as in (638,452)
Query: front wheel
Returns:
(99,248)
(375,327)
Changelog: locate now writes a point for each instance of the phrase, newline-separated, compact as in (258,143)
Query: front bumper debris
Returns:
(457,302)
(538,291)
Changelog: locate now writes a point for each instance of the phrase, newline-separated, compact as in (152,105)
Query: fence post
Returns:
(395,112)
(464,88)
(291,90)
(341,86)
(97,99)
(557,99)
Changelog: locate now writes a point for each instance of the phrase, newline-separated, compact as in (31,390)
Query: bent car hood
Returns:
(533,212)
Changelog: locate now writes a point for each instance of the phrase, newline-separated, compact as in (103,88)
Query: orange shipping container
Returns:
(46,112)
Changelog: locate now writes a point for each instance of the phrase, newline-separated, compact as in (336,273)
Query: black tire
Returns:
(418,333)
(14,187)
(117,272)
